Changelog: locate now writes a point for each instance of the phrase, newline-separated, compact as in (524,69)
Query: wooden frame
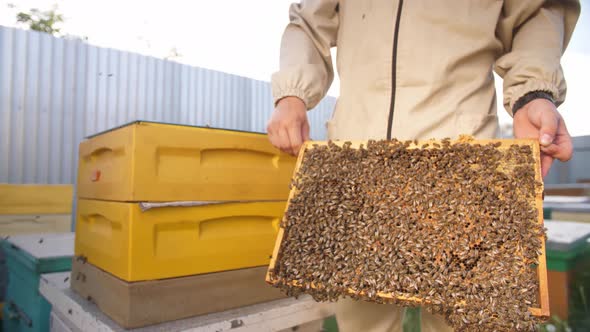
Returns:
(543,310)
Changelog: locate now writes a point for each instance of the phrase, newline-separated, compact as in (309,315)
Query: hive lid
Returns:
(140,122)
(145,206)
(566,235)
(43,253)
(568,207)
(556,199)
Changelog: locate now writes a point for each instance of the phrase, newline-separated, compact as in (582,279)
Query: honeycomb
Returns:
(454,227)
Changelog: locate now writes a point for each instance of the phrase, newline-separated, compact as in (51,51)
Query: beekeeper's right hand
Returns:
(288,127)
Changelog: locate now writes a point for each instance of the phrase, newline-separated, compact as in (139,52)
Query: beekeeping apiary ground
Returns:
(452,226)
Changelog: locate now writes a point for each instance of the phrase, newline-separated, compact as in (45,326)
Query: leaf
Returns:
(42,21)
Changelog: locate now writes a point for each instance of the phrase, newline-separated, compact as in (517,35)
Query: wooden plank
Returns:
(571,216)
(58,280)
(143,303)
(70,305)
(543,310)
(27,224)
(568,189)
(559,289)
(35,199)
(58,323)
(275,315)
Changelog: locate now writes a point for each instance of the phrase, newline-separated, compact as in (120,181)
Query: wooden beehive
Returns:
(143,303)
(541,311)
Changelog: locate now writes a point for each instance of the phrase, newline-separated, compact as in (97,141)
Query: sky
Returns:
(243,38)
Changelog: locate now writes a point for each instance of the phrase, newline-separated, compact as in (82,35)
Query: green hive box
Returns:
(567,244)
(27,257)
(564,261)
(567,253)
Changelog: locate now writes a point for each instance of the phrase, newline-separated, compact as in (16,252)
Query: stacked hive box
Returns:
(570,201)
(568,253)
(177,214)
(31,209)
(29,256)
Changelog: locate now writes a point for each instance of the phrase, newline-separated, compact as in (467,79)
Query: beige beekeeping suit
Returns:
(419,69)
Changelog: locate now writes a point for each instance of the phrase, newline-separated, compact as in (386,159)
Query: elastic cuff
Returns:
(530,97)
(514,93)
(292,92)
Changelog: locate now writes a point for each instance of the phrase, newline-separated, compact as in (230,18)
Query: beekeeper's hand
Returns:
(288,127)
(539,119)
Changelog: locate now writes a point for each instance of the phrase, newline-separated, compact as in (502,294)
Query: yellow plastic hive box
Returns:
(147,161)
(167,242)
(27,224)
(26,208)
(31,199)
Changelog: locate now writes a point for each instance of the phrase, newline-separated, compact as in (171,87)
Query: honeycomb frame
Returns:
(542,311)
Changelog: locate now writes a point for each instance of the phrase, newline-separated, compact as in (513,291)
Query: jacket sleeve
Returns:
(305,61)
(534,33)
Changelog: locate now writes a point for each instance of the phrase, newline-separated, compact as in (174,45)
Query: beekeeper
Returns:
(420,69)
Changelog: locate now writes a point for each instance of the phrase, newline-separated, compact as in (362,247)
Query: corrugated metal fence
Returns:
(54,92)
(575,169)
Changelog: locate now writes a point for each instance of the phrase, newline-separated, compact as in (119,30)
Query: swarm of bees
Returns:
(452,227)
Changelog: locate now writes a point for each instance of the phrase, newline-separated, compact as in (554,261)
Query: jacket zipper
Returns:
(393,68)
